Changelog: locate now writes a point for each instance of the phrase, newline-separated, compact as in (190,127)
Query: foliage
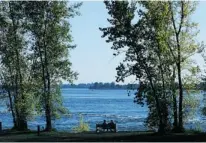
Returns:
(190,104)
(99,85)
(15,70)
(49,30)
(82,127)
(35,41)
(157,50)
(57,104)
(197,129)
(144,57)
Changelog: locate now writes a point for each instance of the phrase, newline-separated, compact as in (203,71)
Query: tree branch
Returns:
(182,17)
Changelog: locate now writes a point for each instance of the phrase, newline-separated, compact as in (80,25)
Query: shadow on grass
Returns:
(31,136)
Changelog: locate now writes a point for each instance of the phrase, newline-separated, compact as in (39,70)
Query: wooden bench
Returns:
(107,127)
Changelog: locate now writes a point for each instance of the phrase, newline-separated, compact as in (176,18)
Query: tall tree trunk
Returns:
(48,117)
(175,124)
(161,126)
(178,61)
(9,89)
(164,101)
(16,100)
(180,127)
(48,102)
(180,99)
(48,120)
(22,122)
(12,109)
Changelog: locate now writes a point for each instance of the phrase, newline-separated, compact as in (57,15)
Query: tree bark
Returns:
(180,99)
(161,125)
(48,101)
(22,122)
(12,109)
(178,62)
(175,124)
(164,102)
(47,107)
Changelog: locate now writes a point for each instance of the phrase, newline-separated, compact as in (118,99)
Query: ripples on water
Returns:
(95,106)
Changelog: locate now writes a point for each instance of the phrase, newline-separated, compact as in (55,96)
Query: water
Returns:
(95,106)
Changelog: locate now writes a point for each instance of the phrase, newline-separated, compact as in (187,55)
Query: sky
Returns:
(93,58)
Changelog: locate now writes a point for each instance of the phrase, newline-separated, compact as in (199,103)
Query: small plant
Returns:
(197,128)
(82,127)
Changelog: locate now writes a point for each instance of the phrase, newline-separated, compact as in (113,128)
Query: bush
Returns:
(197,129)
(82,127)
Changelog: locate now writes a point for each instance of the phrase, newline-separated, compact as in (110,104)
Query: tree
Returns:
(14,65)
(140,60)
(183,33)
(49,30)
(35,43)
(149,46)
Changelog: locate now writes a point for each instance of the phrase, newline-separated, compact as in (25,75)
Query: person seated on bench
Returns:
(104,125)
(111,125)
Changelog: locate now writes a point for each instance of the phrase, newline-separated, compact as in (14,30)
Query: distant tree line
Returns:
(112,85)
(81,85)
(100,85)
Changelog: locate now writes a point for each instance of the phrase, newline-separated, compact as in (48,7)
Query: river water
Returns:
(97,105)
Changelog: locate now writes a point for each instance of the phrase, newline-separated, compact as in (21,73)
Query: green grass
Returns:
(31,136)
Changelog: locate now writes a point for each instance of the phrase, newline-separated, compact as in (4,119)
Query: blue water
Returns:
(95,106)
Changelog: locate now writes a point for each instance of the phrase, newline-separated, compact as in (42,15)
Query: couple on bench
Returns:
(110,126)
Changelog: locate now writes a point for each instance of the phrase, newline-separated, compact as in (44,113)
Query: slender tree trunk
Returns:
(180,99)
(175,124)
(12,109)
(164,103)
(49,124)
(161,126)
(48,120)
(180,127)
(48,117)
(48,102)
(178,62)
(9,89)
(22,122)
(16,100)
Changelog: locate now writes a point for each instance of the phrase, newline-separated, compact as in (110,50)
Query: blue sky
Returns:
(92,58)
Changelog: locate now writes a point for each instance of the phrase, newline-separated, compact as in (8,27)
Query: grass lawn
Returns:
(31,136)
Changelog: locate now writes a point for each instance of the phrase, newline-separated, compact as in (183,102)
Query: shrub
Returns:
(82,127)
(197,129)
